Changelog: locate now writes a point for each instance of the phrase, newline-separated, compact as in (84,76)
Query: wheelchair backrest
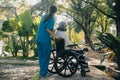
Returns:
(60,45)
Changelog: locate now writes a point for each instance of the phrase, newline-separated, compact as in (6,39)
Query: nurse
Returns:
(43,40)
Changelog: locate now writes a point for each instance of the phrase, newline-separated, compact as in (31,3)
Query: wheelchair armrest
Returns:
(72,45)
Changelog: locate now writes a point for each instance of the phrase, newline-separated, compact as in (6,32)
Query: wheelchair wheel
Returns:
(83,72)
(66,63)
(51,67)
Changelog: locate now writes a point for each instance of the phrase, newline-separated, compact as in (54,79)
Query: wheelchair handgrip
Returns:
(85,49)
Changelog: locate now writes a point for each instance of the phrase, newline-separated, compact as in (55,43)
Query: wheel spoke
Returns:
(51,67)
(72,70)
(65,70)
(51,63)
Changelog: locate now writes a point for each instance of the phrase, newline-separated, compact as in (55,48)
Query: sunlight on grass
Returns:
(36,76)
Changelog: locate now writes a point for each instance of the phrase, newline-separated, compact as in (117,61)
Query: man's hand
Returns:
(57,38)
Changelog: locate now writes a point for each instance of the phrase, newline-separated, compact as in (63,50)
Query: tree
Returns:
(9,8)
(25,31)
(114,6)
(78,11)
(21,25)
(13,43)
(103,23)
(75,33)
(7,27)
(42,6)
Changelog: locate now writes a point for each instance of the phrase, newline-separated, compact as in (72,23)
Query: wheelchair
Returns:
(66,62)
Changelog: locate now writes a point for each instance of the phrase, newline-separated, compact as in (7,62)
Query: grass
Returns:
(36,77)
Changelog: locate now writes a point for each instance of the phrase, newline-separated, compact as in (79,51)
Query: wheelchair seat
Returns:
(60,45)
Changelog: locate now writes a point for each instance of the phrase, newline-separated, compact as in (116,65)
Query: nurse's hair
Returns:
(53,9)
(62,26)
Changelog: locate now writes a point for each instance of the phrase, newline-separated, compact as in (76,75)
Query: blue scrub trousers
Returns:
(43,57)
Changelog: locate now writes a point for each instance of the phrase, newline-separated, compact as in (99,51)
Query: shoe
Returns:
(47,75)
(41,76)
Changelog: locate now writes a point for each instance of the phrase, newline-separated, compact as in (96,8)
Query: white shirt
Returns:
(64,35)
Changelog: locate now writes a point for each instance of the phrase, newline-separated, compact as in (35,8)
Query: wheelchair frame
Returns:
(66,62)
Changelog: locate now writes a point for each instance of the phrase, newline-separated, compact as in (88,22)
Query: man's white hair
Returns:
(62,26)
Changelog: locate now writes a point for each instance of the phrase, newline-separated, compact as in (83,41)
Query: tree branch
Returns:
(77,21)
(110,16)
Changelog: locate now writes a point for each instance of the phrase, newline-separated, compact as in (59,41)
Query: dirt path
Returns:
(25,69)
(17,69)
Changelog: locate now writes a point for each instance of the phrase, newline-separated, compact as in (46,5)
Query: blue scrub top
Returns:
(42,35)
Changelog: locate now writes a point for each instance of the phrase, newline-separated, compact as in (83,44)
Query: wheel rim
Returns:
(67,65)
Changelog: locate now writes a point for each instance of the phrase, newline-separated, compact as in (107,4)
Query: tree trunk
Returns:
(89,41)
(27,44)
(117,10)
(118,27)
(35,52)
(118,60)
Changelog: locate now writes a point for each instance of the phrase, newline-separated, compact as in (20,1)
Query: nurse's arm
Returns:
(52,34)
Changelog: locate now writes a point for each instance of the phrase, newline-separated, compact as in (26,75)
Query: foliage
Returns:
(104,23)
(77,28)
(26,21)
(43,5)
(32,42)
(25,31)
(75,33)
(112,11)
(1,32)
(14,45)
(22,25)
(75,36)
(7,27)
(26,18)
(84,15)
